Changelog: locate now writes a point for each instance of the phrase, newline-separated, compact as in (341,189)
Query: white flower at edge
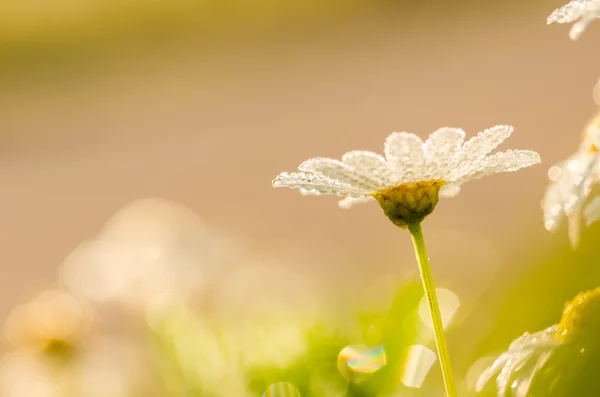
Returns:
(581,12)
(572,182)
(533,349)
(407,180)
(536,364)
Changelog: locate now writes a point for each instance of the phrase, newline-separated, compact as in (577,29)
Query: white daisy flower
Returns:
(407,181)
(572,182)
(581,12)
(552,361)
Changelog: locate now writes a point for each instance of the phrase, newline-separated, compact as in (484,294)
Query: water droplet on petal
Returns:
(281,389)
(419,360)
(549,225)
(357,362)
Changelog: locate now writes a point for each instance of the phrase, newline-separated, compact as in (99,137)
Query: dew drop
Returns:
(549,225)
(357,362)
(281,389)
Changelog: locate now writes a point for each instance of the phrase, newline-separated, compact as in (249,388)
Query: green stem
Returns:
(434,308)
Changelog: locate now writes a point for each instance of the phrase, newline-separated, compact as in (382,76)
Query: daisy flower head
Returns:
(580,12)
(408,181)
(571,184)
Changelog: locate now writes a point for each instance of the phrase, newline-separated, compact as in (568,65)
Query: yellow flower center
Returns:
(581,317)
(59,349)
(409,203)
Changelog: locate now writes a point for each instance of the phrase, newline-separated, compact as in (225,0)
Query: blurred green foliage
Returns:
(314,370)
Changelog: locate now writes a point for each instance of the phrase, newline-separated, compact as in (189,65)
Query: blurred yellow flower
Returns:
(53,321)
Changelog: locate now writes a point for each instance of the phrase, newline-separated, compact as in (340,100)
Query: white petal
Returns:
(405,156)
(371,164)
(571,184)
(592,211)
(582,24)
(573,10)
(349,202)
(440,150)
(491,371)
(578,28)
(582,12)
(340,171)
(517,359)
(449,191)
(509,161)
(575,180)
(482,144)
(321,184)
(533,348)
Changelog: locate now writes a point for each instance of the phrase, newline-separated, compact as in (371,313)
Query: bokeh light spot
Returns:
(554,172)
(281,389)
(419,360)
(448,302)
(357,362)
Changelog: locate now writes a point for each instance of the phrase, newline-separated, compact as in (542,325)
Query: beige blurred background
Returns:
(203,103)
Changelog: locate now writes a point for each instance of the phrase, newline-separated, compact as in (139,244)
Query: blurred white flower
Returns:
(407,181)
(149,247)
(111,367)
(23,374)
(581,12)
(103,367)
(571,184)
(55,353)
(53,321)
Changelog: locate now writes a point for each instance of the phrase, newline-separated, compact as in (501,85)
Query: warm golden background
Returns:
(103,102)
